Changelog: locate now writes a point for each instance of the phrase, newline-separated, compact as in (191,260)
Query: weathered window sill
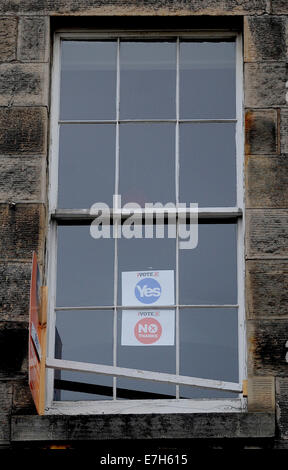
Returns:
(145,426)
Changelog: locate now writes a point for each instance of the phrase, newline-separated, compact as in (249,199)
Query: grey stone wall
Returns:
(25,68)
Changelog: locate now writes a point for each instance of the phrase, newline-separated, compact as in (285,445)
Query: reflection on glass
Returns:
(209,348)
(147,163)
(86,165)
(208,164)
(208,273)
(161,358)
(147,80)
(145,255)
(207,80)
(85,268)
(85,336)
(88,80)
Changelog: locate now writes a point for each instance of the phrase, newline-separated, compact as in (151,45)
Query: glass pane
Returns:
(209,348)
(85,268)
(88,80)
(208,164)
(208,273)
(156,354)
(150,255)
(86,165)
(147,80)
(147,163)
(85,336)
(207,80)
(70,386)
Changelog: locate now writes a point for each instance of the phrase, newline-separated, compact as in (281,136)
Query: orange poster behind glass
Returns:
(37,337)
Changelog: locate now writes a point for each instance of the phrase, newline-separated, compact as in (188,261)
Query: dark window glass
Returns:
(208,273)
(208,348)
(147,80)
(147,161)
(86,165)
(208,164)
(88,80)
(85,268)
(85,336)
(207,80)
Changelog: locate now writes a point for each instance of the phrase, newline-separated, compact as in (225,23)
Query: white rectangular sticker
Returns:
(148,288)
(151,328)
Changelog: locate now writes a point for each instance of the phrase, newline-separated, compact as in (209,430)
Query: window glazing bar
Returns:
(147,121)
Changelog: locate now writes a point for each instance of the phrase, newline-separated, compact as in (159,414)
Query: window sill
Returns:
(143,426)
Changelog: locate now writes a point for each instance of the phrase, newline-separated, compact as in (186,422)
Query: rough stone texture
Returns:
(22,399)
(266,233)
(33,39)
(23,130)
(267,289)
(136,7)
(8,35)
(14,291)
(265,85)
(279,7)
(284,129)
(261,132)
(266,347)
(24,84)
(266,182)
(264,38)
(282,406)
(6,392)
(177,426)
(22,231)
(22,179)
(13,348)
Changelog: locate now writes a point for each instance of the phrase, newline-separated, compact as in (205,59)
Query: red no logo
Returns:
(148,330)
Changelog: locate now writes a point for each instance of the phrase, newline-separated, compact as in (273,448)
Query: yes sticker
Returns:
(148,288)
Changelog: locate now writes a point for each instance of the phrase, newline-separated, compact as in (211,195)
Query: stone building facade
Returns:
(26,42)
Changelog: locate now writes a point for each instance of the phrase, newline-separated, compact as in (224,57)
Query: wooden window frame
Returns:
(82,216)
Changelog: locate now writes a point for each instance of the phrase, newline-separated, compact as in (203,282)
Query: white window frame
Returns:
(57,215)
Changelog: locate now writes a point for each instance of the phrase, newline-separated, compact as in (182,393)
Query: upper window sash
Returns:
(58,213)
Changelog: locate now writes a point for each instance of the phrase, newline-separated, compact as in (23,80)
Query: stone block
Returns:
(282,406)
(22,231)
(24,84)
(267,289)
(266,182)
(33,39)
(265,38)
(267,348)
(266,233)
(261,128)
(8,38)
(22,179)
(265,85)
(284,129)
(23,130)
(14,291)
